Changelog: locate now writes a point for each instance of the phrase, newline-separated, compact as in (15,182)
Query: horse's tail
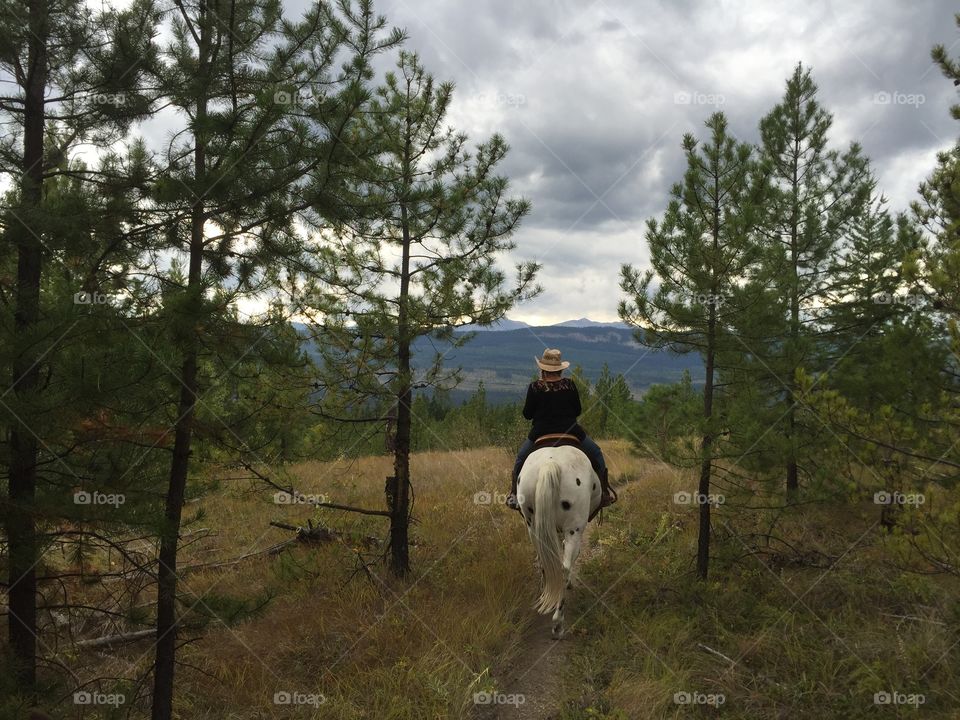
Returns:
(545,536)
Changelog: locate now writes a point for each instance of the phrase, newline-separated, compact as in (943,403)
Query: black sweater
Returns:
(553,407)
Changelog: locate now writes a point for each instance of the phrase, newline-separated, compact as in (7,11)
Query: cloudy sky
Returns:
(594,98)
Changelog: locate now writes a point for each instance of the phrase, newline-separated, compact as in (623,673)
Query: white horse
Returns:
(557,492)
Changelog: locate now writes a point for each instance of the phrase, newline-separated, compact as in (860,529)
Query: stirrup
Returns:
(611,494)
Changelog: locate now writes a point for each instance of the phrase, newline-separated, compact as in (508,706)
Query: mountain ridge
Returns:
(506,324)
(503,360)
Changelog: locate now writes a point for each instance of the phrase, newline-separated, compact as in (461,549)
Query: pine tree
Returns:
(818,195)
(699,252)
(665,416)
(898,414)
(77,74)
(258,148)
(612,397)
(418,259)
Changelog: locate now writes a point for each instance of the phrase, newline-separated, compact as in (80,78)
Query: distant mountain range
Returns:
(508,324)
(502,357)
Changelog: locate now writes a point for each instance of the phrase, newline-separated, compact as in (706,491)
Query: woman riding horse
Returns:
(553,404)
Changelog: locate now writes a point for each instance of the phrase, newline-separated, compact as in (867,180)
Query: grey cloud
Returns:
(582,91)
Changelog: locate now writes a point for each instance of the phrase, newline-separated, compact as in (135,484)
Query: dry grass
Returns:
(368,645)
(815,624)
(376,648)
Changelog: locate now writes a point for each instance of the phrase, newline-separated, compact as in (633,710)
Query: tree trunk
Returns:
(400,512)
(703,489)
(20,522)
(793,344)
(167,571)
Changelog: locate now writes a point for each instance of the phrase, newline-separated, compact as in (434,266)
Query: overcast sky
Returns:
(594,99)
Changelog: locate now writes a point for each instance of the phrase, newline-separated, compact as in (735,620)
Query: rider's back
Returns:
(553,407)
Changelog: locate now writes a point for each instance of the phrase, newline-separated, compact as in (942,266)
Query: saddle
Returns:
(556,440)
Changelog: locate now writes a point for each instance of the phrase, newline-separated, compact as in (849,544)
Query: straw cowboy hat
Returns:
(551,361)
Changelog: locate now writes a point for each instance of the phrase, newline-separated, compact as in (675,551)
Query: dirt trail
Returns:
(536,673)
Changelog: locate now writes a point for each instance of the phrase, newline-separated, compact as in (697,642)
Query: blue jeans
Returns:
(589,447)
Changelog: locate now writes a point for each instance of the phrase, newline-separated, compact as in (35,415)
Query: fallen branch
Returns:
(294,493)
(717,653)
(349,508)
(108,640)
(322,534)
(272,550)
(914,617)
(310,533)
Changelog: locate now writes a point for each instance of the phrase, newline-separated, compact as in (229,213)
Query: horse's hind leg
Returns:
(571,551)
(558,628)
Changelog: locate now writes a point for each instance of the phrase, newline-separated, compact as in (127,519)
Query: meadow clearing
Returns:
(308,632)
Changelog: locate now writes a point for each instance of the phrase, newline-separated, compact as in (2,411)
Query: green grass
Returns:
(803,641)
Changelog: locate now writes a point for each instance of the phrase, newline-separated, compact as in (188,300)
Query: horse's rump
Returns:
(557,491)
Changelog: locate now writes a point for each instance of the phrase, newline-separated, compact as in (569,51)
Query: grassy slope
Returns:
(812,631)
(384,650)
